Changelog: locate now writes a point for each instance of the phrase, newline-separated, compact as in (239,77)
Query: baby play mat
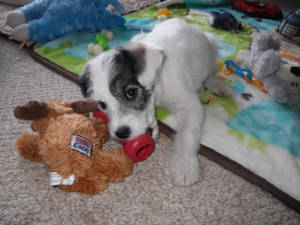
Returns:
(249,133)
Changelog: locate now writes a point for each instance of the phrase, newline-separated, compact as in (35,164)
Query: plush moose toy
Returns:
(69,144)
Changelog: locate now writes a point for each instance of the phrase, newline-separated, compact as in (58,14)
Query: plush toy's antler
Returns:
(84,106)
(33,110)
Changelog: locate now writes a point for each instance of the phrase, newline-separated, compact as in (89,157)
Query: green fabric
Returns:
(57,55)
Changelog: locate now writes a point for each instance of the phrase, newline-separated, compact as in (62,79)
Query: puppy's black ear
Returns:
(85,82)
(135,57)
(149,61)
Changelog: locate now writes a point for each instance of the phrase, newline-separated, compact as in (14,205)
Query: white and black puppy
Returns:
(163,68)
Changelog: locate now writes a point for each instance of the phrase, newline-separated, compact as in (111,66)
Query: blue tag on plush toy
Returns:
(82,145)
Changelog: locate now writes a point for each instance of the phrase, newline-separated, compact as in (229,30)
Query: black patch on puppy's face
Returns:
(124,85)
(84,83)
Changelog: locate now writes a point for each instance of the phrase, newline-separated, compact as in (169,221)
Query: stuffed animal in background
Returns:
(46,20)
(225,21)
(69,144)
(280,79)
(290,25)
(257,9)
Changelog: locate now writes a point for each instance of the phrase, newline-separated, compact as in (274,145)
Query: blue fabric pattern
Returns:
(271,122)
(50,19)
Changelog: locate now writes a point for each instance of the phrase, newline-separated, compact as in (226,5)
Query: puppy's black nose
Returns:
(123,132)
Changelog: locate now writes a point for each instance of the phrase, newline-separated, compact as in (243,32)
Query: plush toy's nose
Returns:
(123,132)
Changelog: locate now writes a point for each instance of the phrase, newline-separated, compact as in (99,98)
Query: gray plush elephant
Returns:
(280,79)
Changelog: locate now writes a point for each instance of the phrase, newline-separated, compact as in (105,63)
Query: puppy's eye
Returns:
(102,104)
(131,94)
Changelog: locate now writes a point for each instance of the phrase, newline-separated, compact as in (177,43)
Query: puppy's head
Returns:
(122,83)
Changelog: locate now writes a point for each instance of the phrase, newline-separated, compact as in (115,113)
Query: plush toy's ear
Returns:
(268,64)
(33,110)
(135,54)
(263,42)
(149,59)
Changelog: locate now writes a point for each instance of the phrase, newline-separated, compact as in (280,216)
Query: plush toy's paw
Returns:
(86,186)
(14,19)
(94,49)
(113,163)
(16,2)
(184,171)
(27,145)
(21,32)
(56,179)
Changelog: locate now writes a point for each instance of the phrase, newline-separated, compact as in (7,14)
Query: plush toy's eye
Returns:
(102,104)
(131,94)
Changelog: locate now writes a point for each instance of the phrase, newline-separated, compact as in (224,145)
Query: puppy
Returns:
(166,68)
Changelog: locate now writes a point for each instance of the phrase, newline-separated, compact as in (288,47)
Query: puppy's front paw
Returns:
(184,171)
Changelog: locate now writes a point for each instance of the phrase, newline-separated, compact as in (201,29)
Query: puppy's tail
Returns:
(212,83)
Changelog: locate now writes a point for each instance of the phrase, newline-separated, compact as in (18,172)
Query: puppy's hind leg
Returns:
(184,165)
(218,87)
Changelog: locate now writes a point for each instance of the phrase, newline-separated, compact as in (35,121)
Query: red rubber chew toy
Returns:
(140,148)
(137,149)
(101,115)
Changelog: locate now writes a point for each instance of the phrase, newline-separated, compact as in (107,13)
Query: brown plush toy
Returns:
(69,144)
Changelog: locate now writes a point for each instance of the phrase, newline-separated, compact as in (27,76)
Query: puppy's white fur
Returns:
(178,58)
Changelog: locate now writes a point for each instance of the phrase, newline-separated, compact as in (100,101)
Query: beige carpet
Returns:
(146,197)
(4,29)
